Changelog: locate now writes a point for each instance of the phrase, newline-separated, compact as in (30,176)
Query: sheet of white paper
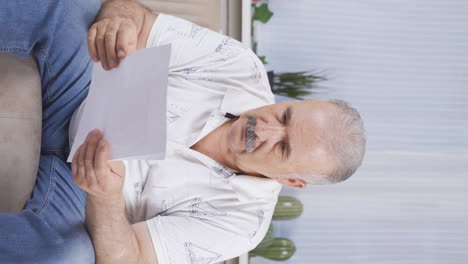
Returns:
(128,104)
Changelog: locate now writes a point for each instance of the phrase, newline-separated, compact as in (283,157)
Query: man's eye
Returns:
(284,119)
(283,148)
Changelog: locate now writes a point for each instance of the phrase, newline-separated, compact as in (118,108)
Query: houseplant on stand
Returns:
(294,85)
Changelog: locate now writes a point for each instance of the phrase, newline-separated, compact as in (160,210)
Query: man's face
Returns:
(285,141)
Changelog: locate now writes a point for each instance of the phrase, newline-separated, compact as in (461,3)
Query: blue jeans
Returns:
(51,228)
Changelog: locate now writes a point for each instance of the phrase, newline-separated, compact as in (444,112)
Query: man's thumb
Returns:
(117,167)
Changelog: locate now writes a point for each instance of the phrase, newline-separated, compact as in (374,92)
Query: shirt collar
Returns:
(247,187)
(253,188)
(236,101)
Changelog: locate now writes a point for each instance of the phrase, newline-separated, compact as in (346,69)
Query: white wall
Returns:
(404,65)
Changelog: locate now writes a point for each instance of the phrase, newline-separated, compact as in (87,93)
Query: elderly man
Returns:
(229,149)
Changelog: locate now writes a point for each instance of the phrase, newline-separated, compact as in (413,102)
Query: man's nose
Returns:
(266,132)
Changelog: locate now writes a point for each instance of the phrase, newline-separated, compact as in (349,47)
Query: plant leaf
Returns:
(295,85)
(262,13)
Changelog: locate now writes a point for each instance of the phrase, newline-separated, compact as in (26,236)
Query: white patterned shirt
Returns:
(197,211)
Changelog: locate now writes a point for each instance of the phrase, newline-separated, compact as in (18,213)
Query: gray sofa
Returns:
(20,107)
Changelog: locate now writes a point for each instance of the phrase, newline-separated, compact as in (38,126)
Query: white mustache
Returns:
(251,137)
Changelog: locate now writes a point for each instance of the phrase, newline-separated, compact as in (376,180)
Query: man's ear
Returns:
(297,183)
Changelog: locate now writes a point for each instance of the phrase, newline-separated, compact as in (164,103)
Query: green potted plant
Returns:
(279,250)
(287,208)
(261,13)
(268,239)
(295,85)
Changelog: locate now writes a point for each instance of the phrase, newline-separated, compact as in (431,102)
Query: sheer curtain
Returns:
(404,65)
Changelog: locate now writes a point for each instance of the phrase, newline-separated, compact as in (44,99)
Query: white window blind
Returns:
(404,65)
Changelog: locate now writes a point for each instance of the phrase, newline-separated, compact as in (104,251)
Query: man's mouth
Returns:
(244,134)
(250,135)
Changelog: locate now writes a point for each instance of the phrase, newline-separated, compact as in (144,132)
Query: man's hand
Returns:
(121,26)
(111,39)
(114,239)
(92,172)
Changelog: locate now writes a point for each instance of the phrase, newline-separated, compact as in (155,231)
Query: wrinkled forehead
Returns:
(309,124)
(312,161)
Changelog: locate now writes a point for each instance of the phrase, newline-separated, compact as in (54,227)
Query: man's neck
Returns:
(215,146)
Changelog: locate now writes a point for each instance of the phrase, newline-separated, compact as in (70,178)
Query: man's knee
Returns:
(78,248)
(72,14)
(72,7)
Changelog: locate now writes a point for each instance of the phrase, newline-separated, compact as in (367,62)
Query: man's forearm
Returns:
(122,8)
(131,9)
(113,237)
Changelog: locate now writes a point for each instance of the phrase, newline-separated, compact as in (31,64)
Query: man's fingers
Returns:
(111,38)
(92,142)
(126,40)
(100,159)
(101,45)
(75,165)
(81,171)
(92,43)
(110,41)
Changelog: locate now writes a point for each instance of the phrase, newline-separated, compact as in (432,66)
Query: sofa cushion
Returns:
(20,130)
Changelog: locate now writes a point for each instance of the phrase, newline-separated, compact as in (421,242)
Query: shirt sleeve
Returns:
(201,55)
(192,45)
(180,239)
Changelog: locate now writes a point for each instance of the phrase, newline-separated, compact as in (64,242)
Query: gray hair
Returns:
(348,141)
(345,141)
